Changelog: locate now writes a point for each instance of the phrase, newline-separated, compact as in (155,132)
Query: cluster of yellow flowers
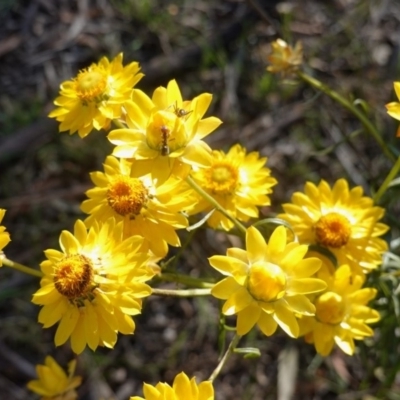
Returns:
(307,279)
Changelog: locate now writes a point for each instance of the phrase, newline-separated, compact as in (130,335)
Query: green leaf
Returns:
(201,222)
(325,252)
(248,352)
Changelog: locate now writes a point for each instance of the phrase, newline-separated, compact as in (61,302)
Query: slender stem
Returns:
(22,268)
(181,292)
(215,203)
(184,279)
(368,126)
(391,175)
(224,359)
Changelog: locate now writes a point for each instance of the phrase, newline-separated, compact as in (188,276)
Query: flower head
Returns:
(4,236)
(182,389)
(95,96)
(145,207)
(341,313)
(341,220)
(94,286)
(54,383)
(393,108)
(285,58)
(266,284)
(165,130)
(238,181)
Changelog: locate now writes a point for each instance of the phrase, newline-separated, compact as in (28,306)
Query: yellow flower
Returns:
(182,389)
(393,108)
(4,236)
(342,220)
(146,208)
(238,181)
(341,313)
(165,131)
(267,284)
(53,382)
(285,58)
(94,286)
(95,96)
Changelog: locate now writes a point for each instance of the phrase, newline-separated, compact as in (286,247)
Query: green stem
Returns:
(368,126)
(181,292)
(391,175)
(215,203)
(224,359)
(184,279)
(22,268)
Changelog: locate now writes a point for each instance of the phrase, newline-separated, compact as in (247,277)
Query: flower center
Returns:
(127,196)
(90,84)
(166,132)
(330,308)
(73,276)
(333,230)
(266,282)
(221,178)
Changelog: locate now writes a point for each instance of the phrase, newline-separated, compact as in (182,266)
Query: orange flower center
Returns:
(90,85)
(333,230)
(73,276)
(330,308)
(266,282)
(127,196)
(221,178)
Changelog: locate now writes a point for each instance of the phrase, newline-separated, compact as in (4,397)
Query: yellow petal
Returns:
(367,314)
(255,245)
(346,343)
(68,243)
(323,339)
(223,289)
(197,154)
(286,319)
(78,338)
(277,242)
(237,302)
(301,305)
(306,267)
(206,391)
(206,126)
(240,254)
(174,96)
(247,318)
(66,326)
(267,324)
(293,257)
(305,286)
(229,266)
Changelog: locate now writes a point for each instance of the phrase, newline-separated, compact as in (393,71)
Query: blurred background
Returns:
(208,46)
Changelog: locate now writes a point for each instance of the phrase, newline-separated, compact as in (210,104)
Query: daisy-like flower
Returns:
(266,284)
(285,58)
(238,181)
(341,314)
(53,382)
(95,96)
(165,130)
(146,208)
(4,236)
(393,108)
(341,220)
(94,286)
(182,389)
